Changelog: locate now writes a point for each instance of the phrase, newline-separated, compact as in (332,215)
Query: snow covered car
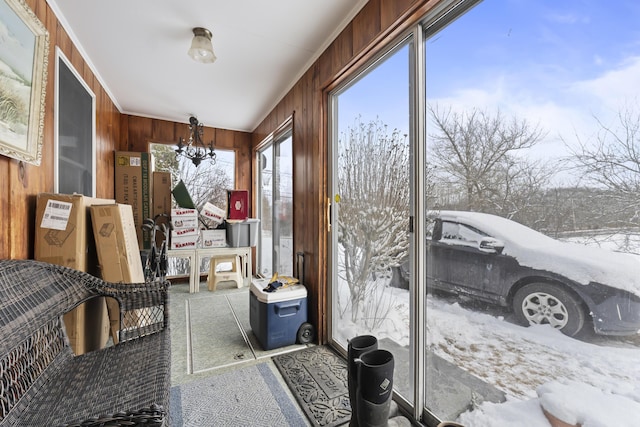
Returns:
(565,285)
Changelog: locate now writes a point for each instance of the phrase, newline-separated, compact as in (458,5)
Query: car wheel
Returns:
(549,304)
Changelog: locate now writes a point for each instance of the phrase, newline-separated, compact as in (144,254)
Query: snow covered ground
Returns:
(582,382)
(594,382)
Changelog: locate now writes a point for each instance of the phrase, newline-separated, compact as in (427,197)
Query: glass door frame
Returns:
(417,286)
(417,35)
(273,141)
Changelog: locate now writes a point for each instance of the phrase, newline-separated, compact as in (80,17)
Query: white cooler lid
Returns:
(282,294)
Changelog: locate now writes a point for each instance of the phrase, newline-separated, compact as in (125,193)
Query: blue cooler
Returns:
(278,318)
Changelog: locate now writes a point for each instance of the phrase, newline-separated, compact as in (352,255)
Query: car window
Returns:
(461,234)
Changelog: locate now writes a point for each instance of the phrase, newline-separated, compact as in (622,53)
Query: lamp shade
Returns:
(201,49)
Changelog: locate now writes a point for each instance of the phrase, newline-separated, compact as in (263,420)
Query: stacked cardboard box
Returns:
(64,237)
(185,228)
(161,202)
(213,238)
(117,243)
(118,252)
(214,214)
(133,187)
(161,194)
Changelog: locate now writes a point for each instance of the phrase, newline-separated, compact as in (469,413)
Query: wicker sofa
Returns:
(44,384)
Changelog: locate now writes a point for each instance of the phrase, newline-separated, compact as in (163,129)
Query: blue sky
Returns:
(556,63)
(570,38)
(382,93)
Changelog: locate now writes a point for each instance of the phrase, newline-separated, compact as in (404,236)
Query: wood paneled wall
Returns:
(137,132)
(21,182)
(379,21)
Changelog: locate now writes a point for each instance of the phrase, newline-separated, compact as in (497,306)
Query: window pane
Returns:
(276,207)
(265,263)
(75,134)
(283,206)
(533,193)
(371,207)
(208,182)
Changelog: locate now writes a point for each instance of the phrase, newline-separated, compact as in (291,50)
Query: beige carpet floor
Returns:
(210,332)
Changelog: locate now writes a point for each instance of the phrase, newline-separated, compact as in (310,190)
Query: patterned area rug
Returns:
(250,396)
(317,377)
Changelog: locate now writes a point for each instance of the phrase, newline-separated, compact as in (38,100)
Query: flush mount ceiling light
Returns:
(201,49)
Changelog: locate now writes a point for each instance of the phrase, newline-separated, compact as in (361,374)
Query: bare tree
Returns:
(206,183)
(476,152)
(373,187)
(609,164)
(612,160)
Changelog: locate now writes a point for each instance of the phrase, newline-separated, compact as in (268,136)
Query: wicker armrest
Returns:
(137,295)
(43,383)
(144,307)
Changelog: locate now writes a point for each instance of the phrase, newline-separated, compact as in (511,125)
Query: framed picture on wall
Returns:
(24,53)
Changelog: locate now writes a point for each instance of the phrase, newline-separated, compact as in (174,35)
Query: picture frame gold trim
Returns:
(22,126)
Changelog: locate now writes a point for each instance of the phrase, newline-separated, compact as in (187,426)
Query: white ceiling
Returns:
(138,51)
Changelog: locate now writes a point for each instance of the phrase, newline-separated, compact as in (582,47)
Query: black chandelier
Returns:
(194,149)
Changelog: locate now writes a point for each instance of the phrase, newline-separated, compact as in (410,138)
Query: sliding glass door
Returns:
(533,140)
(371,192)
(484,177)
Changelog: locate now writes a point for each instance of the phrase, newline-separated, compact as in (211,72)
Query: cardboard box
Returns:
(133,187)
(237,204)
(161,194)
(184,213)
(64,237)
(213,213)
(117,243)
(118,252)
(63,231)
(184,242)
(161,202)
(184,218)
(186,231)
(213,238)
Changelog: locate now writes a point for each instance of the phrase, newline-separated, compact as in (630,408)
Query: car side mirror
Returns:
(491,245)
